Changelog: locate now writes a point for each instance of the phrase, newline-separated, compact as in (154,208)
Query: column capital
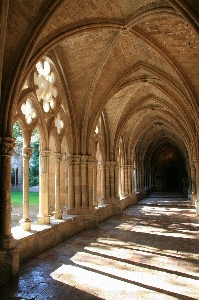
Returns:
(27,152)
(7,145)
(44,152)
(58,157)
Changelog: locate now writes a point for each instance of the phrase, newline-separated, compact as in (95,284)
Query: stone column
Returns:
(57,212)
(84,177)
(112,179)
(103,182)
(6,150)
(26,222)
(71,199)
(107,180)
(129,180)
(90,181)
(117,180)
(77,182)
(43,216)
(95,183)
(122,179)
(132,180)
(126,180)
(196,162)
(193,183)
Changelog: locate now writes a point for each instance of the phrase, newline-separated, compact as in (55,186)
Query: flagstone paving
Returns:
(150,251)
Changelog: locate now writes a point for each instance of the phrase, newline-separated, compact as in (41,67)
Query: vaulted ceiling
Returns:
(134,60)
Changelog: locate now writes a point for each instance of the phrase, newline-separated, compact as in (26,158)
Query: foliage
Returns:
(34,162)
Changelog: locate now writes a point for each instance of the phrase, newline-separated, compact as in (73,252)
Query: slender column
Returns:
(26,222)
(129,179)
(107,180)
(193,183)
(71,199)
(6,150)
(117,180)
(84,176)
(90,181)
(126,180)
(43,216)
(196,162)
(112,179)
(57,212)
(132,180)
(77,182)
(103,182)
(95,183)
(122,180)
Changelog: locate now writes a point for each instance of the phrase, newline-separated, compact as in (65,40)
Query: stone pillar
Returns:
(43,216)
(135,178)
(112,179)
(57,212)
(117,180)
(103,181)
(84,181)
(26,222)
(71,199)
(132,180)
(90,181)
(129,180)
(193,183)
(122,179)
(196,162)
(6,150)
(95,183)
(9,258)
(77,182)
(107,180)
(126,180)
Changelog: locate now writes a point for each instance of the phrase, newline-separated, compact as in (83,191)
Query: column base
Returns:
(25,224)
(57,214)
(9,264)
(43,219)
(197,207)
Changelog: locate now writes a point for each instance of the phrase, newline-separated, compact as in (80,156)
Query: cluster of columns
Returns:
(127,180)
(109,175)
(82,184)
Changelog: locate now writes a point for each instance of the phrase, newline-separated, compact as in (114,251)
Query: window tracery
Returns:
(59,123)
(46,91)
(29,111)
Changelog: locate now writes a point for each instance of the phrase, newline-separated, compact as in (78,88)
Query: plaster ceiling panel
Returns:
(179,40)
(80,55)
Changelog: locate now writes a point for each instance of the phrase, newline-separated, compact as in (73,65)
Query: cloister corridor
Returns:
(150,251)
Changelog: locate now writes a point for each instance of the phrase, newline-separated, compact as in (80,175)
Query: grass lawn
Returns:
(17,198)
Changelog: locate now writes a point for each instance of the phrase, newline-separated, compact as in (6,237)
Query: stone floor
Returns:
(151,251)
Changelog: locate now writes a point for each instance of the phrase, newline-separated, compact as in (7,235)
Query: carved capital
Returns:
(27,152)
(58,157)
(7,145)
